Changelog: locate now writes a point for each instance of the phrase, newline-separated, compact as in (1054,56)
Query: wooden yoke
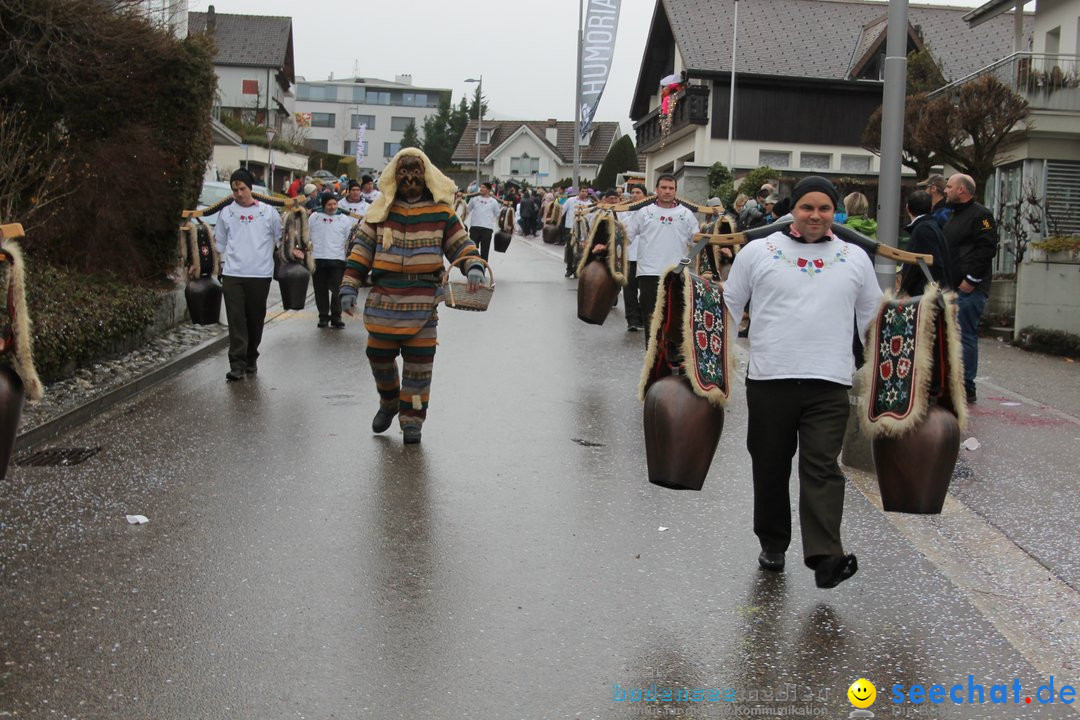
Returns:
(287,203)
(845,233)
(11,231)
(703,209)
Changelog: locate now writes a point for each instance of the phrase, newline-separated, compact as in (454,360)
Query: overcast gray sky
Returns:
(525,50)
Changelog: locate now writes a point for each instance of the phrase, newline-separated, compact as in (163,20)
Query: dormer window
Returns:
(483,137)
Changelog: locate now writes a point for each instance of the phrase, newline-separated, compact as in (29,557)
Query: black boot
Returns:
(383,418)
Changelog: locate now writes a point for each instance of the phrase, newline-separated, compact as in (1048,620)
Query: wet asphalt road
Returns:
(512,565)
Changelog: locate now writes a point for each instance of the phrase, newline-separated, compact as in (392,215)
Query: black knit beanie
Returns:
(814,183)
(243,175)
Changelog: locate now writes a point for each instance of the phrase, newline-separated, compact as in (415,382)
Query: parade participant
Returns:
(246,232)
(329,238)
(634,322)
(804,286)
(568,215)
(972,239)
(483,218)
(663,230)
(354,201)
(367,189)
(402,241)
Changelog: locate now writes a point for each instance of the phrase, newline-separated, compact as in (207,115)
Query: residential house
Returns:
(254,68)
(337,114)
(808,74)
(1044,68)
(535,151)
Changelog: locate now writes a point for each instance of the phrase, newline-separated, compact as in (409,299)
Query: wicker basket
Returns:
(456,292)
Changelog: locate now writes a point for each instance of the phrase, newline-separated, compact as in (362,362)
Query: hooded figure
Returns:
(407,232)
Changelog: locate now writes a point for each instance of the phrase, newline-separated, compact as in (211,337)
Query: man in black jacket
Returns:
(972,239)
(924,236)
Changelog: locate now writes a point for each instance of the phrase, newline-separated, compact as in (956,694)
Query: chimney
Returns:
(211,21)
(403,79)
(551,132)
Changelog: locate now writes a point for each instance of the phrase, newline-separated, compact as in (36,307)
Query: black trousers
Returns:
(481,237)
(327,282)
(648,285)
(630,295)
(245,311)
(811,414)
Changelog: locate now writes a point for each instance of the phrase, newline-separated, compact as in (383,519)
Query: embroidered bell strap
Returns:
(903,352)
(692,338)
(706,363)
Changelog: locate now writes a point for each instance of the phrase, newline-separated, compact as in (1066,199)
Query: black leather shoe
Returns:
(382,420)
(771,560)
(322,324)
(832,570)
(337,324)
(971,395)
(412,434)
(234,375)
(251,368)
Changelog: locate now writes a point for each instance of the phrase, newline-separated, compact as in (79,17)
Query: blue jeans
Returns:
(970,308)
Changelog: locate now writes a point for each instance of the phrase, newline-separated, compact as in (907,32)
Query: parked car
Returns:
(213,191)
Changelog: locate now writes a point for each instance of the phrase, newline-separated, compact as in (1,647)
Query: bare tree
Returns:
(920,135)
(979,119)
(32,169)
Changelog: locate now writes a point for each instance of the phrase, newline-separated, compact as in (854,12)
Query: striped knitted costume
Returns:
(400,314)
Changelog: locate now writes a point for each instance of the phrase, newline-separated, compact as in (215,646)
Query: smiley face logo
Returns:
(862,693)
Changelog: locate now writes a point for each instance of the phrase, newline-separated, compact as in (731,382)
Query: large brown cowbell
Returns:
(596,293)
(682,431)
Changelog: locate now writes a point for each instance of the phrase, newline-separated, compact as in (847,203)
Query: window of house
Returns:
(378,97)
(855,163)
(368,120)
(774,158)
(524,165)
(350,147)
(359,94)
(307,91)
(483,136)
(322,120)
(250,87)
(400,123)
(390,149)
(321,145)
(816,161)
(408,99)
(422,100)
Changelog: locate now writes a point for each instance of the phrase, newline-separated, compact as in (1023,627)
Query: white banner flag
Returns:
(597,51)
(361,131)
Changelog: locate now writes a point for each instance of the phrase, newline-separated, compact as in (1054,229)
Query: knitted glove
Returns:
(476,279)
(348,299)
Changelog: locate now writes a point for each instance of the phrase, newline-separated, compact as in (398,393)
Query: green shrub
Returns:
(1051,342)
(79,318)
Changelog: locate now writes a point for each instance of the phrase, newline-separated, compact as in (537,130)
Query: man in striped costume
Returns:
(406,233)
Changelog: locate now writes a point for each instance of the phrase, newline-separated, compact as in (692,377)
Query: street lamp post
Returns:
(479,121)
(270,134)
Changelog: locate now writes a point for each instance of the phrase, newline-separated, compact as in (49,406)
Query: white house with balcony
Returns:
(333,112)
(1044,68)
(799,108)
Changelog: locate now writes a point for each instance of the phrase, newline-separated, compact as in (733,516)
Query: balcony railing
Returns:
(691,108)
(1047,82)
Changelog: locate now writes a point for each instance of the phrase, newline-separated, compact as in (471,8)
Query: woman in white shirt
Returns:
(329,238)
